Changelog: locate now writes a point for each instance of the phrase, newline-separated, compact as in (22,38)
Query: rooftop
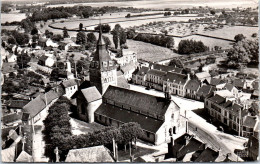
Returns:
(91,94)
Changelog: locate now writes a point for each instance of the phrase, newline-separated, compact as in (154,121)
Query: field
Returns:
(229,32)
(11,17)
(116,18)
(162,4)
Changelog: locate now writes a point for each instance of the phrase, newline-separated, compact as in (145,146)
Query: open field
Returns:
(229,32)
(162,4)
(112,20)
(11,17)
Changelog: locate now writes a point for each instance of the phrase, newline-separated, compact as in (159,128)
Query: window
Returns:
(172,116)
(148,134)
(105,64)
(110,63)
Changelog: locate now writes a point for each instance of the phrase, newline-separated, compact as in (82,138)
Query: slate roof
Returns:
(250,121)
(235,108)
(42,39)
(239,83)
(229,86)
(13,117)
(208,155)
(217,99)
(216,81)
(255,84)
(156,72)
(202,75)
(69,83)
(255,93)
(122,82)
(17,104)
(165,68)
(91,94)
(205,90)
(127,67)
(43,58)
(24,157)
(90,154)
(193,85)
(192,146)
(125,116)
(39,103)
(142,71)
(144,102)
(176,78)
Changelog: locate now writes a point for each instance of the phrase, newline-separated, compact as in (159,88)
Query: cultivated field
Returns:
(11,17)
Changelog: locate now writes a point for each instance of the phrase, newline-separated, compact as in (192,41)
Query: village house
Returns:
(14,106)
(36,109)
(239,84)
(88,100)
(50,43)
(91,154)
(155,115)
(11,58)
(128,70)
(42,42)
(155,79)
(140,75)
(12,119)
(249,124)
(46,61)
(70,86)
(126,58)
(175,83)
(192,88)
(227,112)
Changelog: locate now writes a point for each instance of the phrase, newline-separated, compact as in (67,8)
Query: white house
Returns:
(11,58)
(70,86)
(50,43)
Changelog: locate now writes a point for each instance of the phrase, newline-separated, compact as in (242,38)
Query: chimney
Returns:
(188,76)
(187,139)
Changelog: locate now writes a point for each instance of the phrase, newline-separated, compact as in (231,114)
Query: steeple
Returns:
(100,42)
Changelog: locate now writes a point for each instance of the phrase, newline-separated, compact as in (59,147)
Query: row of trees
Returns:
(160,40)
(58,132)
(191,46)
(16,38)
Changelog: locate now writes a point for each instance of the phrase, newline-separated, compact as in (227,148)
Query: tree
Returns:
(115,40)
(80,27)
(177,63)
(81,38)
(11,40)
(91,37)
(107,41)
(254,35)
(239,37)
(212,12)
(191,46)
(65,33)
(243,53)
(34,31)
(130,34)
(57,37)
(105,28)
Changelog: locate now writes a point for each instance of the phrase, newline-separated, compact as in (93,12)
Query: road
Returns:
(199,126)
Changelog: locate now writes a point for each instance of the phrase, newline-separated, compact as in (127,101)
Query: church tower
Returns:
(102,70)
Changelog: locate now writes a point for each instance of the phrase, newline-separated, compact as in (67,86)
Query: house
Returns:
(216,82)
(208,155)
(249,124)
(70,86)
(16,105)
(128,70)
(253,148)
(175,83)
(140,75)
(155,79)
(88,100)
(11,58)
(192,88)
(126,58)
(156,115)
(36,109)
(201,76)
(46,61)
(226,111)
(42,42)
(239,84)
(50,43)
(24,157)
(232,89)
(90,154)
(8,68)
(11,119)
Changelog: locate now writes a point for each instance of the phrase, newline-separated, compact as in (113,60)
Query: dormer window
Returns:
(104,64)
(110,63)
